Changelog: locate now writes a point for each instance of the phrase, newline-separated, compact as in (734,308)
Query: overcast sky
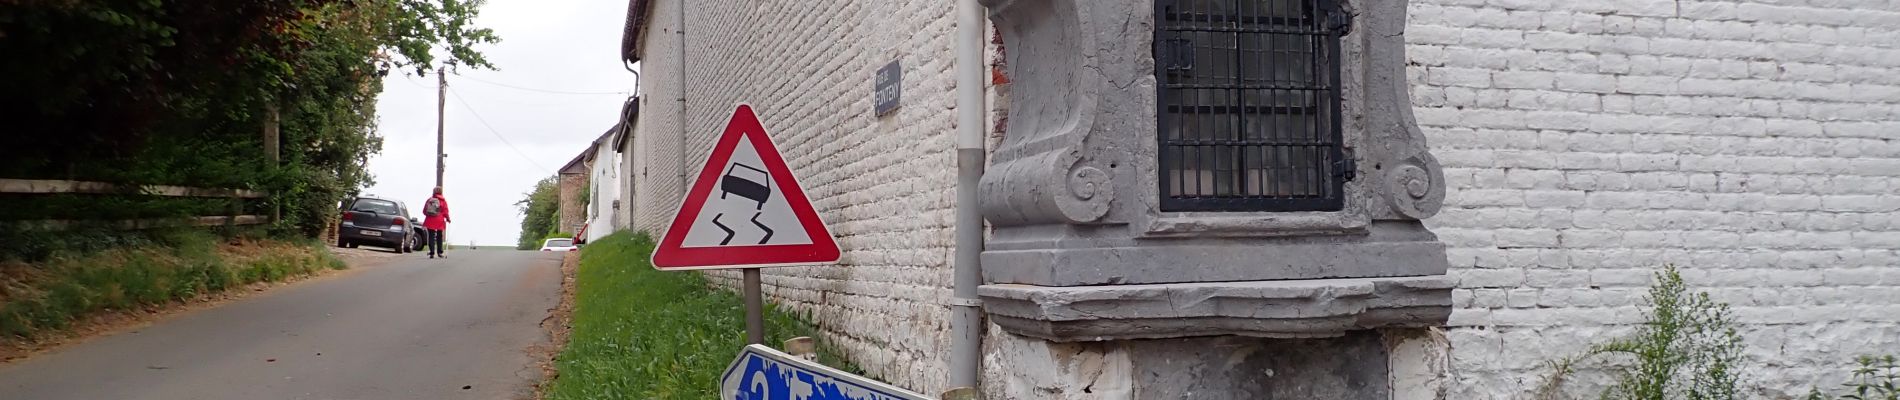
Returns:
(564,46)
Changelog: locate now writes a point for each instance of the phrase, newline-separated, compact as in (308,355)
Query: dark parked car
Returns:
(381,222)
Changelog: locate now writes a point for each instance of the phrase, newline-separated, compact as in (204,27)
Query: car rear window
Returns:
(375,206)
(560,242)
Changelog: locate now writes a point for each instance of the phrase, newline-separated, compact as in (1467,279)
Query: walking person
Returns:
(435,214)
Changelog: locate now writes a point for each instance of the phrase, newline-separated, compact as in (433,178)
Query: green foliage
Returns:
(22,207)
(176,92)
(30,245)
(540,213)
(1687,348)
(34,245)
(1875,378)
(424,27)
(155,269)
(587,197)
(639,333)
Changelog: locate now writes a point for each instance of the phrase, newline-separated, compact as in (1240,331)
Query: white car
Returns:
(559,245)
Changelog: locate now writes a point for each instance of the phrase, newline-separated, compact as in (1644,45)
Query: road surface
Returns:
(411,328)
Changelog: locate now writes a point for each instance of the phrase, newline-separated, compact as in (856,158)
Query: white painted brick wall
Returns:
(885,185)
(1585,143)
(656,169)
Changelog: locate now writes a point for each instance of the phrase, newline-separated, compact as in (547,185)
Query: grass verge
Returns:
(639,333)
(48,295)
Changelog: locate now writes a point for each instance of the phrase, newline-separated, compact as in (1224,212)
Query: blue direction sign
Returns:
(761,373)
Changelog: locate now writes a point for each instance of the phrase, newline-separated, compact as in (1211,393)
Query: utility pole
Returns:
(441,100)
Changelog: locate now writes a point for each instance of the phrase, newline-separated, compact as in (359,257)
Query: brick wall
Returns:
(1752,144)
(885,185)
(572,213)
(656,168)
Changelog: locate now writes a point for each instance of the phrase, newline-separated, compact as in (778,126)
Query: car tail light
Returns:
(573,249)
(401,221)
(346,215)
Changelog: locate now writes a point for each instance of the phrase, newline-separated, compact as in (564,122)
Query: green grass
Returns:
(48,295)
(643,334)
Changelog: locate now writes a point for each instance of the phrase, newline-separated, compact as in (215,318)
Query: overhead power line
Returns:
(539,90)
(412,82)
(491,130)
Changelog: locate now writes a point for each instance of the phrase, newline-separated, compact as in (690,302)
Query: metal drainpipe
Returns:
(966,323)
(636,76)
(685,185)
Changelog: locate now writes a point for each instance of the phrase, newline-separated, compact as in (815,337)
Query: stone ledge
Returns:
(1277,309)
(1042,263)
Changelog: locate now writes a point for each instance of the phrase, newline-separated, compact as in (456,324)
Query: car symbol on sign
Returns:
(757,190)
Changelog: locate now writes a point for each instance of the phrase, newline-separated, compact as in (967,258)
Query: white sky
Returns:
(568,46)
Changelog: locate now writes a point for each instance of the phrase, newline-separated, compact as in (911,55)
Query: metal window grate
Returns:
(1249,105)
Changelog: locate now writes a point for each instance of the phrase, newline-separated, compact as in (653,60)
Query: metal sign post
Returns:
(754,307)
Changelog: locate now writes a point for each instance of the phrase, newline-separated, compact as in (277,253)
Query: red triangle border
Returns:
(670,256)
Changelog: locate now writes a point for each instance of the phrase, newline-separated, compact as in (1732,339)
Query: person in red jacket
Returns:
(435,213)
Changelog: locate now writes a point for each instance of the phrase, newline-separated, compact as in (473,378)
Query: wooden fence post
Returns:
(272,145)
(231,218)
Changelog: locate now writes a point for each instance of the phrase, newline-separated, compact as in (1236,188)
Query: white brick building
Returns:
(1756,145)
(603,206)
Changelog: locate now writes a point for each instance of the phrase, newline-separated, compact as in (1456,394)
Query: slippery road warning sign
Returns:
(745,209)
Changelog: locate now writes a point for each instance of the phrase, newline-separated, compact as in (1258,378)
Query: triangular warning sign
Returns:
(745,209)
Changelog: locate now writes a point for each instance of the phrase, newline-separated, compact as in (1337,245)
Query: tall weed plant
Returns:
(1686,348)
(1875,378)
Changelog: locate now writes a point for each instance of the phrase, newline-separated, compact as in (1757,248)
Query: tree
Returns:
(174,91)
(540,208)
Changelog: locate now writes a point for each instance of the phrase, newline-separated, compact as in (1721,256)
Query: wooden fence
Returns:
(42,186)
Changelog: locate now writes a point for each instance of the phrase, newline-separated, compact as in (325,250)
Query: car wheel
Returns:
(342,243)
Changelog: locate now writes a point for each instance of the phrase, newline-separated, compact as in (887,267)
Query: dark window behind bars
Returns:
(1249,105)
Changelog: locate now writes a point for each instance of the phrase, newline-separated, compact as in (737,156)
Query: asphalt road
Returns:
(411,328)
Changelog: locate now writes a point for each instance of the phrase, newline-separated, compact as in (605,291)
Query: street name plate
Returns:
(889,88)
